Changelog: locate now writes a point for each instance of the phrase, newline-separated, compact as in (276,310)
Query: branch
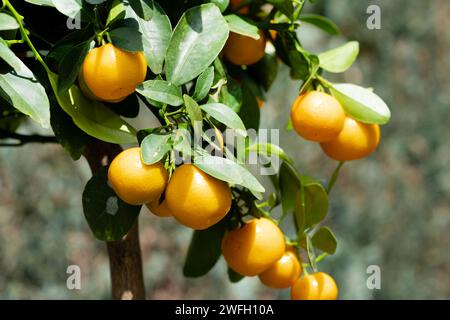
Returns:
(23,139)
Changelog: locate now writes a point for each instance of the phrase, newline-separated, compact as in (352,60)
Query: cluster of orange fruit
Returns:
(318,116)
(258,248)
(194,198)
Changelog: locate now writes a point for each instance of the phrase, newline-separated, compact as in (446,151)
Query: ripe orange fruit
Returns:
(135,182)
(197,199)
(253,248)
(242,50)
(316,286)
(159,209)
(111,74)
(356,140)
(283,273)
(317,116)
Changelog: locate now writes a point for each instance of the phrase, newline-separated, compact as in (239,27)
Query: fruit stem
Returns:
(334,176)
(24,34)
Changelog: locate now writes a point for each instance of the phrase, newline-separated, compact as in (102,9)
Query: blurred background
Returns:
(391,209)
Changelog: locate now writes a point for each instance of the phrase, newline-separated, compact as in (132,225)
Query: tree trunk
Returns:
(127,280)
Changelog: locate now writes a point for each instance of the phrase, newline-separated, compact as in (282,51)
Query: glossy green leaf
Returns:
(126,35)
(116,13)
(204,250)
(196,41)
(249,111)
(322,23)
(70,8)
(143,8)
(229,171)
(324,239)
(225,115)
(311,253)
(289,184)
(155,147)
(203,84)
(339,59)
(161,91)
(70,65)
(285,6)
(195,114)
(315,201)
(7,22)
(269,149)
(242,26)
(266,70)
(361,104)
(19,87)
(48,3)
(93,117)
(108,217)
(156,35)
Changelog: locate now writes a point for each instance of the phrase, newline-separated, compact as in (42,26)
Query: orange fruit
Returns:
(197,199)
(243,50)
(253,248)
(159,209)
(283,273)
(317,116)
(316,286)
(135,182)
(111,74)
(356,140)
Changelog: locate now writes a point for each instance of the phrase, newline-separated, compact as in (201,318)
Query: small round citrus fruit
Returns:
(111,74)
(242,50)
(356,140)
(316,286)
(317,116)
(283,273)
(135,182)
(159,209)
(253,248)
(197,199)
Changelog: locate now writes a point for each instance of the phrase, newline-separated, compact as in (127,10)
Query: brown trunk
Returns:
(127,281)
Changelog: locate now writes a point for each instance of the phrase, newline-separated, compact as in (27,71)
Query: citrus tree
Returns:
(203,68)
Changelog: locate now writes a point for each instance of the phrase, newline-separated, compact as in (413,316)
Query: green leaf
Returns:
(204,250)
(155,38)
(231,95)
(316,201)
(311,253)
(108,217)
(265,70)
(7,22)
(361,104)
(249,112)
(285,6)
(289,184)
(117,12)
(203,84)
(324,239)
(127,36)
(195,114)
(233,276)
(155,147)
(70,65)
(196,41)
(225,115)
(47,3)
(242,26)
(20,88)
(269,149)
(322,23)
(229,171)
(70,8)
(93,117)
(71,138)
(339,59)
(143,8)
(161,91)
